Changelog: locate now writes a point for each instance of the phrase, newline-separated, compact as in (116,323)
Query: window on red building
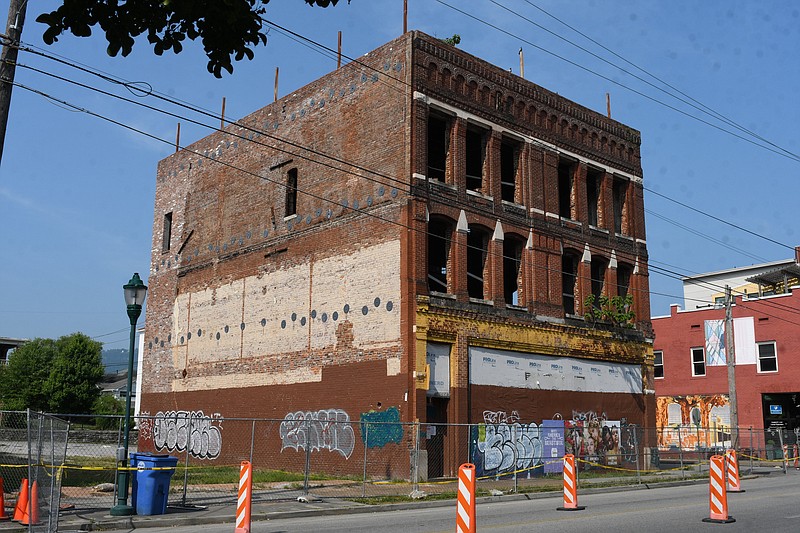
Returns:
(658,365)
(698,362)
(767,357)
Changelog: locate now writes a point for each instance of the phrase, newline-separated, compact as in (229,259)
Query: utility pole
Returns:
(730,356)
(8,62)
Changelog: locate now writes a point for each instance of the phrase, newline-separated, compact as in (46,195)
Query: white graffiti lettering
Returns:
(510,446)
(588,416)
(327,429)
(500,417)
(178,430)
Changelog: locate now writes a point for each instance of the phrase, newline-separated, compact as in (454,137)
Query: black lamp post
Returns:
(135,292)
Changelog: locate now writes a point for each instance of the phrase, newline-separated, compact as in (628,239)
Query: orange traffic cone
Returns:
(3,515)
(570,486)
(31,515)
(717,492)
(22,501)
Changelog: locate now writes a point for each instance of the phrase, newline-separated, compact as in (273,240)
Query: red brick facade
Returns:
(268,299)
(774,321)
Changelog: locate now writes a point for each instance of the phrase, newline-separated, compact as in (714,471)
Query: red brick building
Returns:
(410,237)
(691,376)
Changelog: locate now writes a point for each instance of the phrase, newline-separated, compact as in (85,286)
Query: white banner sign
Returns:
(533,371)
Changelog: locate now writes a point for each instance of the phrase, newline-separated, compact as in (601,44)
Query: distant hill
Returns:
(116,360)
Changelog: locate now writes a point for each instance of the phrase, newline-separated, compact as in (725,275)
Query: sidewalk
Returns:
(220,513)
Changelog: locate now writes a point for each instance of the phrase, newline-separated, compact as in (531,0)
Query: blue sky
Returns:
(76,192)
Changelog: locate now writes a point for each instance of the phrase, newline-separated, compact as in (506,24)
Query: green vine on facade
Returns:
(616,310)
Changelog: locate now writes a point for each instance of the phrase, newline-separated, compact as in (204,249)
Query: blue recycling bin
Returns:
(150,484)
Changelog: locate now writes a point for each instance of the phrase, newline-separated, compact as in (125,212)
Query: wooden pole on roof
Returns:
(339,54)
(222,117)
(178,138)
(276,85)
(521,63)
(608,104)
(405,16)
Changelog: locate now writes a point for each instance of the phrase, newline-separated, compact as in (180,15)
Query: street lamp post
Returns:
(135,292)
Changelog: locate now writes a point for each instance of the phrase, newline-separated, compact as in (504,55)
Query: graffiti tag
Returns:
(327,429)
(379,428)
(500,417)
(178,431)
(509,446)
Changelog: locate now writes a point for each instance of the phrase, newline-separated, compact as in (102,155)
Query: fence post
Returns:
(366,444)
(308,457)
(784,452)
(680,450)
(186,465)
(252,440)
(415,466)
(752,451)
(636,447)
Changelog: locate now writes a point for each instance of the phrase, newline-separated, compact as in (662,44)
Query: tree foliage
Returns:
(53,375)
(22,380)
(77,369)
(108,405)
(228,29)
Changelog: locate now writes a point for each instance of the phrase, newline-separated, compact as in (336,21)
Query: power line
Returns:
(691,101)
(617,83)
(209,114)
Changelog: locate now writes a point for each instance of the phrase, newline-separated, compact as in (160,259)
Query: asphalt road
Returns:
(770,503)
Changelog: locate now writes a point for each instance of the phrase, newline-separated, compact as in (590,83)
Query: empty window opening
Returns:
(569,277)
(509,163)
(658,365)
(291,192)
(476,154)
(438,146)
(167,234)
(594,178)
(620,192)
(566,173)
(439,232)
(477,244)
(624,273)
(698,362)
(598,274)
(767,357)
(512,258)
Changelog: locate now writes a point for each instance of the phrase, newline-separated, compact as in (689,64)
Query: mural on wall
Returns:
(694,421)
(715,342)
(175,431)
(504,445)
(379,428)
(326,429)
(595,439)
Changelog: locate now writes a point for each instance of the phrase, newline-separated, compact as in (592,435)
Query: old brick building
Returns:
(411,236)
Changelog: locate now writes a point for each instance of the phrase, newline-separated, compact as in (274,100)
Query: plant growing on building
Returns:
(454,40)
(616,310)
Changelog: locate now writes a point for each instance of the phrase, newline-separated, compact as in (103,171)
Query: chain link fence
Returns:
(324,454)
(33,450)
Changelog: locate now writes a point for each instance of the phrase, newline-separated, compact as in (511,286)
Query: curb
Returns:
(200,517)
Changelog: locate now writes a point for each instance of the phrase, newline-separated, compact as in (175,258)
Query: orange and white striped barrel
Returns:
(570,486)
(465,510)
(718,496)
(734,485)
(245,498)
(796,458)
